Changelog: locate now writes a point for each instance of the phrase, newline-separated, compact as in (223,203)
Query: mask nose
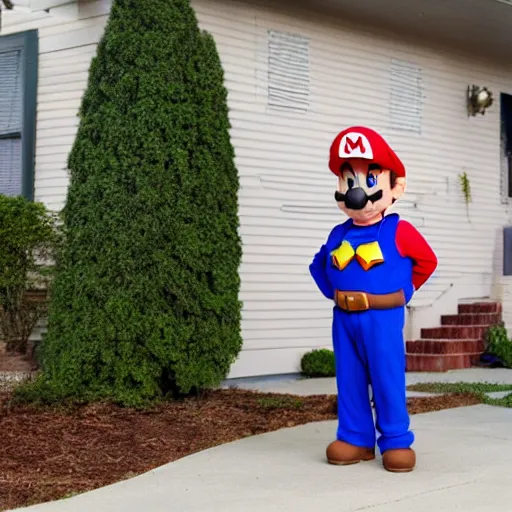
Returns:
(356,199)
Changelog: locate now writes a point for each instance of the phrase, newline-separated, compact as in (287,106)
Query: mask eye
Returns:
(349,178)
(371,180)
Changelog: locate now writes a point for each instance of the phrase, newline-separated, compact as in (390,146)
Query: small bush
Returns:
(319,363)
(499,344)
(28,238)
(280,402)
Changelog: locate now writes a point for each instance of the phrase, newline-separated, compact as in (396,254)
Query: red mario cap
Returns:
(361,142)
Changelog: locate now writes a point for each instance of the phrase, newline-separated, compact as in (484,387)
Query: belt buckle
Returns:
(354,301)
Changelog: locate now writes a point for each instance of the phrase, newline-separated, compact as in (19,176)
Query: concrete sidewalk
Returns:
(327,386)
(464,463)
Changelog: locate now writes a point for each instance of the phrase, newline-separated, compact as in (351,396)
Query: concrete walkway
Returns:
(327,386)
(464,463)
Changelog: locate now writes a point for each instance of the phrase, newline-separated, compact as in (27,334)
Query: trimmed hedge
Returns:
(145,300)
(319,363)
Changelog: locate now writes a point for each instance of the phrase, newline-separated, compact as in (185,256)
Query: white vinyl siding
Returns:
(286,198)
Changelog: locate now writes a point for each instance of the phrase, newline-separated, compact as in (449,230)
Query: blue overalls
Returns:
(369,345)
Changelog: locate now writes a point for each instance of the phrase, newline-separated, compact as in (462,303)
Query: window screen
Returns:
(10,122)
(18,100)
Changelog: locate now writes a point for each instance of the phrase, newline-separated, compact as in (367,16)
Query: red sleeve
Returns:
(411,244)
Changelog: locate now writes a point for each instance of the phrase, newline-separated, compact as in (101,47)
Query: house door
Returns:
(506,144)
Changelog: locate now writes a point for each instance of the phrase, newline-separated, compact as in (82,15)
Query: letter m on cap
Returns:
(355,145)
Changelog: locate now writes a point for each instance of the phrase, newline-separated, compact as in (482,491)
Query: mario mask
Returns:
(371,177)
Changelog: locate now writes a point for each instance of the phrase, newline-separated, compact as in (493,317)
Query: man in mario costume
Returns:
(370,267)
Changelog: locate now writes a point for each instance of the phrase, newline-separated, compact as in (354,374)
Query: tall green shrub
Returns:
(146,296)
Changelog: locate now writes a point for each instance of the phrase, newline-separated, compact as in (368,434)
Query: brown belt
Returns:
(362,301)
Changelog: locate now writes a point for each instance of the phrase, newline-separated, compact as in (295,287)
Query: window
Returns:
(506,145)
(18,90)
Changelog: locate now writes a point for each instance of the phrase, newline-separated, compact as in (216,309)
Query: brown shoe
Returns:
(399,461)
(344,454)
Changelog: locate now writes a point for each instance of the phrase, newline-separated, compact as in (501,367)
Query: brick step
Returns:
(445,347)
(480,307)
(471,319)
(455,332)
(440,362)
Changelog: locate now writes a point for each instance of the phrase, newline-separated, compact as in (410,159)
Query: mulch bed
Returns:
(46,454)
(14,362)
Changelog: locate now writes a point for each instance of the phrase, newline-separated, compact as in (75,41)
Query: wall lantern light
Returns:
(479,99)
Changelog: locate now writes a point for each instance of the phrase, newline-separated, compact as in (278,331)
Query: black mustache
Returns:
(340,198)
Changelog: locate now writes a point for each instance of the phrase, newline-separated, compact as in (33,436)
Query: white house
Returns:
(297,73)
